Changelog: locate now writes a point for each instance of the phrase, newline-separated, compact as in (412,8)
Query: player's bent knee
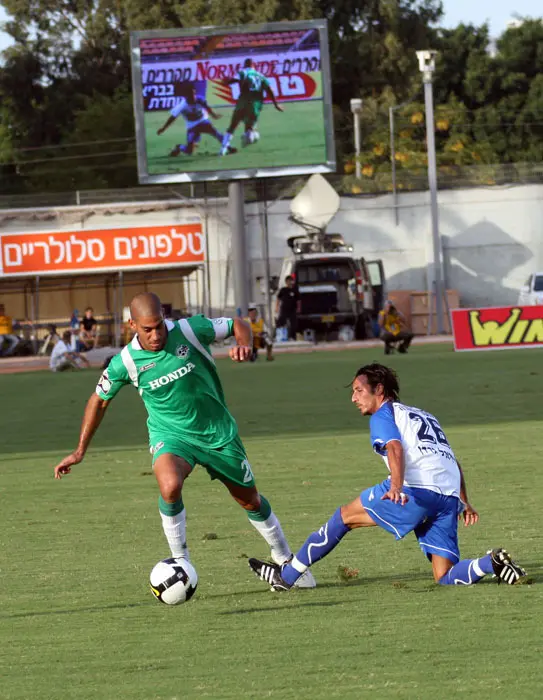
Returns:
(170,489)
(440,566)
(355,515)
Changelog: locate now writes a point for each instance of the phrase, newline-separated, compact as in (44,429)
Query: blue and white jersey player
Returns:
(196,112)
(425,493)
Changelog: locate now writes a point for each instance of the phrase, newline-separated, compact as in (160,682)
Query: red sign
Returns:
(103,249)
(498,328)
(294,86)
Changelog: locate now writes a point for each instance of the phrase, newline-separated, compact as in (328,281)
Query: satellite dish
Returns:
(316,204)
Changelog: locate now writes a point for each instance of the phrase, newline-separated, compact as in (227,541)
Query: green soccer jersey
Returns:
(179,385)
(252,83)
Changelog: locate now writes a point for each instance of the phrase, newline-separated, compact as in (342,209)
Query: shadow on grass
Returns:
(72,611)
(314,604)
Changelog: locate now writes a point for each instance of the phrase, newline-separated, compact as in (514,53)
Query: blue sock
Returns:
(467,572)
(317,546)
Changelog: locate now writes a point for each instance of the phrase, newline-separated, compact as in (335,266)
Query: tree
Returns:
(67,81)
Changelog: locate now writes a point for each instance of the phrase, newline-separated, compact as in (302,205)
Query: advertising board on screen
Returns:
(232,102)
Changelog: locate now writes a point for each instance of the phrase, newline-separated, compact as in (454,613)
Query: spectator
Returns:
(261,339)
(288,306)
(6,333)
(393,328)
(88,330)
(63,357)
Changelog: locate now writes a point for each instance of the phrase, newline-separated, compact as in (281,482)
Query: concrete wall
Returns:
(492,238)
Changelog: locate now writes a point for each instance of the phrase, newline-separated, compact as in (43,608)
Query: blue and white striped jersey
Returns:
(429,460)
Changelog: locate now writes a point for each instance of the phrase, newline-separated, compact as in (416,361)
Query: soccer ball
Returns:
(250,137)
(173,581)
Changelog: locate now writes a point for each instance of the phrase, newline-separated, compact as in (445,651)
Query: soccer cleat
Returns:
(270,573)
(176,151)
(505,568)
(306,580)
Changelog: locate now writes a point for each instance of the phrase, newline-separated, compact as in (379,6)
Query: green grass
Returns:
(294,137)
(76,617)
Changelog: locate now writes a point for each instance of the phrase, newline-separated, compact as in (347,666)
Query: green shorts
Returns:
(248,110)
(227,463)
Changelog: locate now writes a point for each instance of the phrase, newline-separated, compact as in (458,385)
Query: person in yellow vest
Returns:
(261,339)
(6,333)
(393,328)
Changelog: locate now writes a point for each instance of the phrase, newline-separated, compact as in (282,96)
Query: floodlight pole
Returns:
(427,67)
(240,267)
(356,109)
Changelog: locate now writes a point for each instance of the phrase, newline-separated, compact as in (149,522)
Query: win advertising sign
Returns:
(498,328)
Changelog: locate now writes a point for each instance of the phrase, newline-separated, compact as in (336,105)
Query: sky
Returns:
(496,12)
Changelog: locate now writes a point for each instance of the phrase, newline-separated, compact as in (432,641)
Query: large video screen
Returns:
(232,102)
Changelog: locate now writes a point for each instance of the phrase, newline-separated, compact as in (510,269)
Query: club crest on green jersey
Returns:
(182,351)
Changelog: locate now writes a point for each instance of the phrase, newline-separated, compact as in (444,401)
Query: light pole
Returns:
(356,109)
(427,64)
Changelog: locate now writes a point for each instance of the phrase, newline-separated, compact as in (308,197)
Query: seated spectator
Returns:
(6,333)
(261,339)
(63,358)
(88,331)
(393,328)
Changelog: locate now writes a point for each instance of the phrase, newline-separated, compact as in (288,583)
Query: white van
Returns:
(531,294)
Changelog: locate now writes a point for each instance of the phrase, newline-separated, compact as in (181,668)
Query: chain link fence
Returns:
(269,189)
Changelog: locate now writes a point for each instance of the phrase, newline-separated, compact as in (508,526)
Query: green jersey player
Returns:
(171,366)
(254,87)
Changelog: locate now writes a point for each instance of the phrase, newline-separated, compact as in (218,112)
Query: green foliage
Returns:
(67,78)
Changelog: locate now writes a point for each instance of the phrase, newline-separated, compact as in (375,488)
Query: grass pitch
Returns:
(294,137)
(76,617)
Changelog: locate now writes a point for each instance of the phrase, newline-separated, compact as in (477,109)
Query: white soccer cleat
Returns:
(306,580)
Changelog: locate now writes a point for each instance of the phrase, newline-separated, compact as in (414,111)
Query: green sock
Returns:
(170,509)
(263,513)
(174,517)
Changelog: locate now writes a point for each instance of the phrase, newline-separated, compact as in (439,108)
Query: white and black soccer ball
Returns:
(250,137)
(173,581)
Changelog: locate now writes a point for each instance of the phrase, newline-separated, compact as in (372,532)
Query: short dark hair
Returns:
(66,336)
(376,374)
(248,63)
(89,308)
(289,278)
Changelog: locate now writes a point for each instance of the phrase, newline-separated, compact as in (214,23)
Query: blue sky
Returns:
(497,12)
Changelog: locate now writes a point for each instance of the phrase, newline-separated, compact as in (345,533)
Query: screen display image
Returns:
(232,102)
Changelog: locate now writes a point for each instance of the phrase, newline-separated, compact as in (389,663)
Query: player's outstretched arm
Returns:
(396,464)
(470,515)
(269,93)
(212,113)
(94,412)
(166,124)
(243,348)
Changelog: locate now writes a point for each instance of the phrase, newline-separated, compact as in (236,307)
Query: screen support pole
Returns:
(240,263)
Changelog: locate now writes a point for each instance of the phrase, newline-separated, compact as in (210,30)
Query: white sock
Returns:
(477,569)
(272,532)
(226,139)
(174,527)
